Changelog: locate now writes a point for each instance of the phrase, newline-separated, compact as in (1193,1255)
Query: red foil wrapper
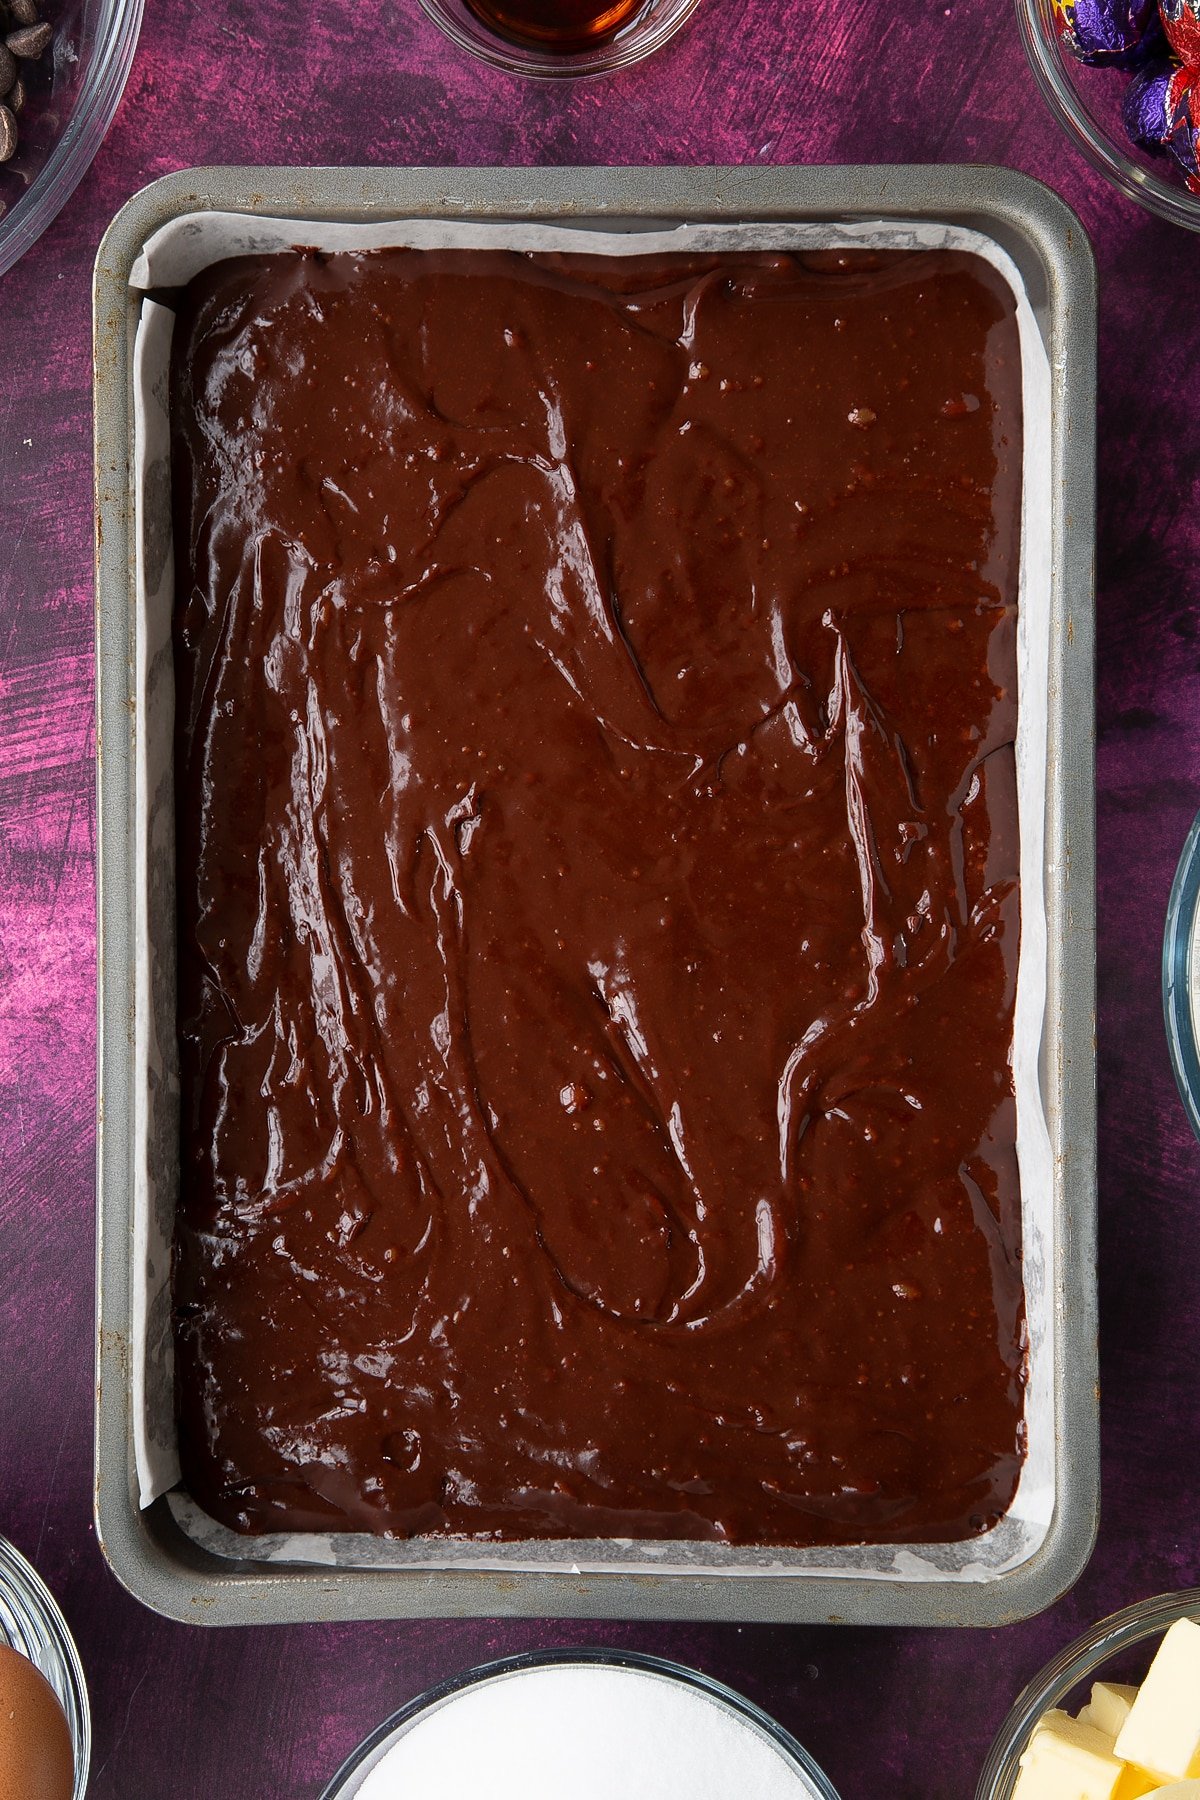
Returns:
(1181,22)
(1183,124)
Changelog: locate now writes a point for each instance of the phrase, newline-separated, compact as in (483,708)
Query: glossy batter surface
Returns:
(598,911)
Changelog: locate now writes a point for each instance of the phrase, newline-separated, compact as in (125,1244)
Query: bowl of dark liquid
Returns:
(557,39)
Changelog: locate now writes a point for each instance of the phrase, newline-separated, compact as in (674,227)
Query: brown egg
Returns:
(37,1761)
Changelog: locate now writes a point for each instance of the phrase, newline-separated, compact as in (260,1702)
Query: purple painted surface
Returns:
(269,1713)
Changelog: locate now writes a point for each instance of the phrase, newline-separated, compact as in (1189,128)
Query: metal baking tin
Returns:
(147,1549)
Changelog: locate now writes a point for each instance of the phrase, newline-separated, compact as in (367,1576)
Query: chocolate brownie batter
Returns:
(598,907)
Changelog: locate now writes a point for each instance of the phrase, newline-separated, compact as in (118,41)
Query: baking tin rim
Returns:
(147,1552)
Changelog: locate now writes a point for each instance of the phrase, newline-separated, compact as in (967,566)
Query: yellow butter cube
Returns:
(1109,1706)
(1162,1732)
(1180,1790)
(1068,1760)
(1135,1782)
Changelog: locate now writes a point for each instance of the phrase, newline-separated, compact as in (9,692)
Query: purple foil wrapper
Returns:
(1181,22)
(1122,33)
(1144,108)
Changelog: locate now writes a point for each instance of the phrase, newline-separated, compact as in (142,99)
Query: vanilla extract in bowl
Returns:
(558,25)
(557,39)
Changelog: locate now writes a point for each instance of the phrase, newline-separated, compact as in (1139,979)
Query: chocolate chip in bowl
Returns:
(26,38)
(63,68)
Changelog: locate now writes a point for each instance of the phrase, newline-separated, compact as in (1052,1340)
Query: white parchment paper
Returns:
(170,259)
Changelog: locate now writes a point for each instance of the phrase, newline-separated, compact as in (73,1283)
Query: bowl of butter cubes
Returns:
(1114,1717)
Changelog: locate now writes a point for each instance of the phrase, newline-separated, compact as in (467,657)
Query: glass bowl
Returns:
(31,1623)
(814,1783)
(72,94)
(1181,975)
(1117,1649)
(647,29)
(1087,104)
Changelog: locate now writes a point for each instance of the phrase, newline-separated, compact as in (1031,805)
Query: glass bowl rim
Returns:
(1168,200)
(1081,1658)
(75,149)
(1178,1013)
(656,22)
(36,1606)
(591,1656)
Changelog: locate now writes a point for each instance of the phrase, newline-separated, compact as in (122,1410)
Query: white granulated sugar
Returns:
(583,1733)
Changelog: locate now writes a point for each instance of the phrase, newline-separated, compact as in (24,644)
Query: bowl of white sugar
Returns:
(580,1725)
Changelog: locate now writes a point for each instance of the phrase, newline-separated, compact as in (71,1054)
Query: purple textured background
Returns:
(269,1713)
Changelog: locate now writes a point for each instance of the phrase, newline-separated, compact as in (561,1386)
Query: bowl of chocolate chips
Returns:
(63,69)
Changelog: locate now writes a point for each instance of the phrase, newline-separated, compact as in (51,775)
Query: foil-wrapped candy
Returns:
(1183,124)
(1121,33)
(1161,110)
(1144,108)
(1181,22)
